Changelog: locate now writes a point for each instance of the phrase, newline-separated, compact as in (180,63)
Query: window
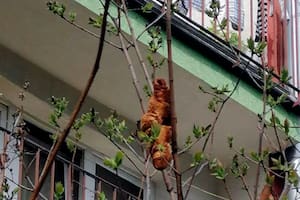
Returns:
(3,122)
(36,147)
(236,14)
(3,115)
(114,186)
(197,4)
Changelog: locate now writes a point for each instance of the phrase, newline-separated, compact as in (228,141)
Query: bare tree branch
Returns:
(64,134)
(136,46)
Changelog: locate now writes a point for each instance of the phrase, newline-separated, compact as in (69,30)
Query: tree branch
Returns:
(172,101)
(136,46)
(262,129)
(64,134)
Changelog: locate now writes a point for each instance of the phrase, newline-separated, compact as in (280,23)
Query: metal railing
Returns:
(72,175)
(279,28)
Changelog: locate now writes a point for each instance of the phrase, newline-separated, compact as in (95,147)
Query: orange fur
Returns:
(160,107)
(266,193)
(148,119)
(161,158)
(161,91)
(159,112)
(161,149)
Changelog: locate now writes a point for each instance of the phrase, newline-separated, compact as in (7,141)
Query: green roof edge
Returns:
(202,67)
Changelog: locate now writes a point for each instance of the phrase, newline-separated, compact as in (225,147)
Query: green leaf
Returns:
(265,154)
(255,156)
(260,48)
(197,158)
(197,131)
(188,141)
(143,136)
(60,104)
(155,130)
(209,13)
(162,61)
(230,142)
(275,120)
(270,179)
(286,125)
(284,197)
(72,16)
(270,101)
(15,191)
(218,170)
(147,8)
(119,158)
(115,162)
(110,163)
(53,120)
(59,188)
(161,147)
(101,196)
(244,169)
(223,23)
(235,166)
(293,177)
(70,145)
(84,120)
(56,8)
(250,44)
(212,105)
(242,151)
(234,40)
(96,22)
(284,76)
(130,139)
(147,91)
(53,136)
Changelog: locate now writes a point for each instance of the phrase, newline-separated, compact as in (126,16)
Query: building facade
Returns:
(55,57)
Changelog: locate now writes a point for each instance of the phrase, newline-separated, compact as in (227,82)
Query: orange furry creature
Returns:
(159,113)
(161,149)
(148,119)
(158,106)
(266,193)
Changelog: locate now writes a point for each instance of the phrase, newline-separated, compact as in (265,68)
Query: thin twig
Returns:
(32,185)
(261,132)
(191,179)
(212,194)
(126,155)
(133,74)
(117,22)
(136,47)
(130,64)
(168,183)
(246,186)
(90,32)
(227,189)
(148,186)
(287,185)
(26,188)
(151,24)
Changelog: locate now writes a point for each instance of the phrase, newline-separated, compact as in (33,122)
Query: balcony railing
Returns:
(30,157)
(275,21)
